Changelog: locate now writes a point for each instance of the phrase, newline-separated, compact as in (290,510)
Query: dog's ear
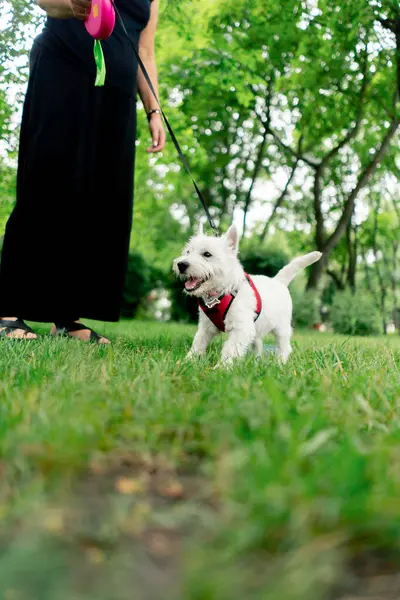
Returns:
(232,237)
(200,230)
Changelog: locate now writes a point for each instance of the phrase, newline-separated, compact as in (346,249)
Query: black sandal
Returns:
(10,326)
(64,329)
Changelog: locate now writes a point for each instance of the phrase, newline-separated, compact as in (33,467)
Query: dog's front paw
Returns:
(191,356)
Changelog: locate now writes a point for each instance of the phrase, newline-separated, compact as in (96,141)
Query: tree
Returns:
(313,91)
(380,254)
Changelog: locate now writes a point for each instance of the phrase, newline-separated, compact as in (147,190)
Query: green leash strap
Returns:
(100,64)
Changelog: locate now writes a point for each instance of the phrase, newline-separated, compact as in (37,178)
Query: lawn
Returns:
(128,474)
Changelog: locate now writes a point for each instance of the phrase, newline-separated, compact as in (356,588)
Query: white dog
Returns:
(246,307)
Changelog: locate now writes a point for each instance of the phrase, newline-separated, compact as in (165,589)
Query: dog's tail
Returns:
(286,274)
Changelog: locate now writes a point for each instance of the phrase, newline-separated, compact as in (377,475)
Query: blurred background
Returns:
(288,115)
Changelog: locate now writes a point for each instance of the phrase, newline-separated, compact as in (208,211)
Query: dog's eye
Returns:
(207,255)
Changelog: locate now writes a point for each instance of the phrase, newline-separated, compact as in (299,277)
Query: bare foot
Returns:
(19,334)
(81,334)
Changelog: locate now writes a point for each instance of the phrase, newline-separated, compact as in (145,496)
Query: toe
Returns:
(17,333)
(21,334)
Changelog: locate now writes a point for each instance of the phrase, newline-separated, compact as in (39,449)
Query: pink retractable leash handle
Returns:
(100,23)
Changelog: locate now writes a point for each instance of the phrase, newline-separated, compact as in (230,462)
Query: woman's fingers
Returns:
(163,138)
(81,8)
(157,135)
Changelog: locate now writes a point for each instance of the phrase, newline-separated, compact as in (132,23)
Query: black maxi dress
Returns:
(66,243)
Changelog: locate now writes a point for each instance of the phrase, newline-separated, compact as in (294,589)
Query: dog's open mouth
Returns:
(193,283)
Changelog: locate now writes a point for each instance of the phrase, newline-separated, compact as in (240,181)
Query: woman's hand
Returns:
(66,9)
(80,8)
(157,133)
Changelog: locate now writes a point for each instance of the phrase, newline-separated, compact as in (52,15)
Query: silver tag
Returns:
(213,302)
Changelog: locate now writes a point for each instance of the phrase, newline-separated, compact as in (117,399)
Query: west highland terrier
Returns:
(246,307)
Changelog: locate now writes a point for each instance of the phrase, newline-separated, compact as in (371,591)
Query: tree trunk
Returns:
(336,279)
(379,274)
(329,244)
(394,271)
(319,217)
(366,270)
(382,296)
(278,202)
(352,255)
(257,168)
(383,309)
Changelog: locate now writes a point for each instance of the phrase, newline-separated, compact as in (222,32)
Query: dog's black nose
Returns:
(182,266)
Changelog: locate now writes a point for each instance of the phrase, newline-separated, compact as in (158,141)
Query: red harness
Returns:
(219,310)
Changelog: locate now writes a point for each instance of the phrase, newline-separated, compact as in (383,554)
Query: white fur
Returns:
(222,274)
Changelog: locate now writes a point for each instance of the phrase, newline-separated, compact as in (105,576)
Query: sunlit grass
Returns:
(272,478)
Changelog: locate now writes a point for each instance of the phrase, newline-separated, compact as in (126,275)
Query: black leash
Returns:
(170,130)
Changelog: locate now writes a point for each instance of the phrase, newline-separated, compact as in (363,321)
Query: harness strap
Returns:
(257,295)
(217,313)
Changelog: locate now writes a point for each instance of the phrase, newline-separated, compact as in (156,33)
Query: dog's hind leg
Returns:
(282,336)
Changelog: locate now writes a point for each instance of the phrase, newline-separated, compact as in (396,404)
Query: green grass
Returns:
(127,473)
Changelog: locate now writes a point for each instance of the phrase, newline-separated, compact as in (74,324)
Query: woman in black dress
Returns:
(66,244)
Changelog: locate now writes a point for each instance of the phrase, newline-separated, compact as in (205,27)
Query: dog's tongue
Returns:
(191,283)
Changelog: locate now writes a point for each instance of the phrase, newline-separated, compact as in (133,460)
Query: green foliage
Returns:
(7,194)
(306,307)
(307,62)
(17,17)
(141,279)
(354,314)
(262,260)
